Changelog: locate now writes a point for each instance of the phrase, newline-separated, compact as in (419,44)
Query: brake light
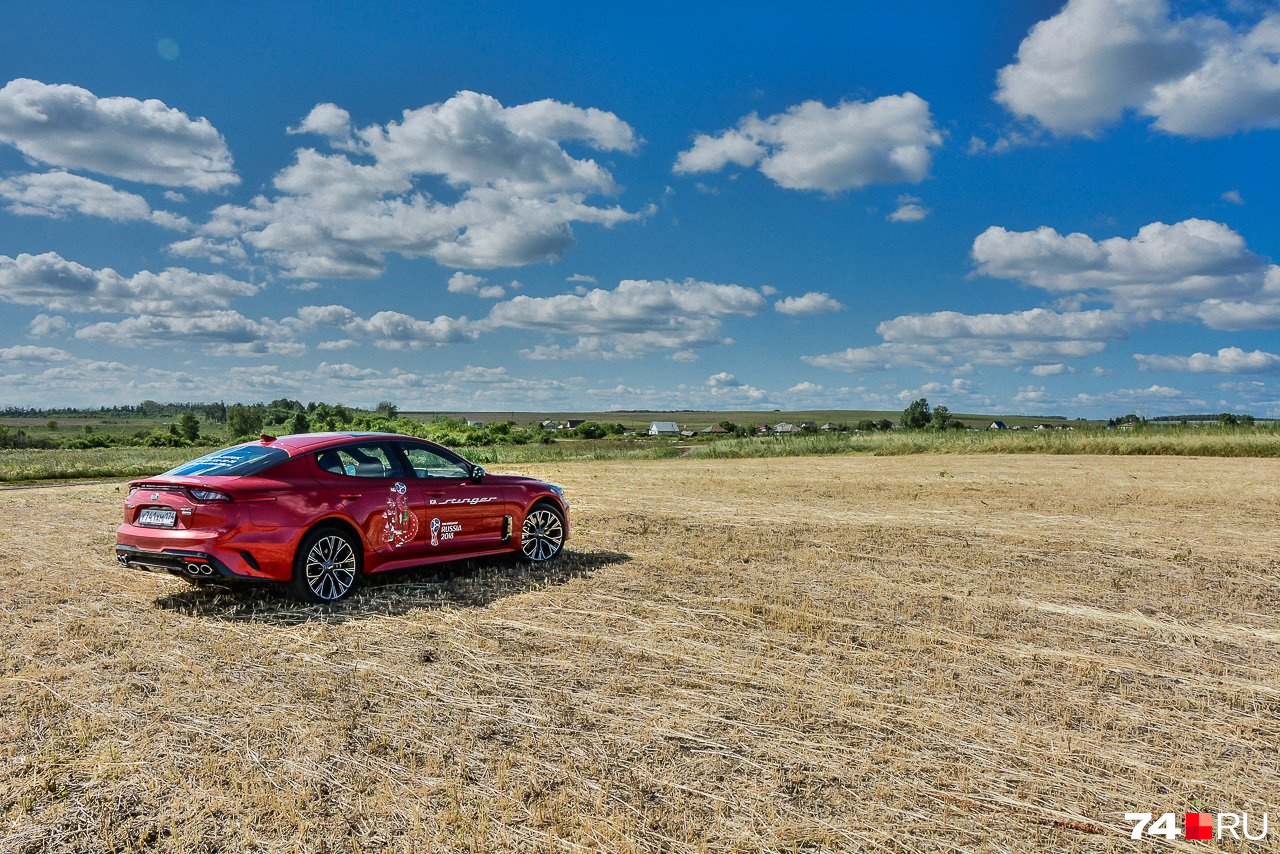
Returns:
(208,495)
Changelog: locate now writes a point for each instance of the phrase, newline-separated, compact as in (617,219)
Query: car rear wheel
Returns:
(326,567)
(542,535)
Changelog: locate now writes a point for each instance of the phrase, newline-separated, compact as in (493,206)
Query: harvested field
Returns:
(917,653)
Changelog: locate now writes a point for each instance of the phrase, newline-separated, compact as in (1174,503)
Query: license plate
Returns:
(156,518)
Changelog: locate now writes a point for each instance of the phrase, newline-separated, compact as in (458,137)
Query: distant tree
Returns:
(941,419)
(387,408)
(884,424)
(216,412)
(1247,420)
(243,420)
(148,408)
(1228,419)
(589,430)
(917,415)
(88,428)
(299,423)
(866,425)
(52,424)
(189,427)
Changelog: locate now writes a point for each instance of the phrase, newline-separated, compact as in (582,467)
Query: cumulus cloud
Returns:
(831,149)
(1191,270)
(909,210)
(55,194)
(227,333)
(637,317)
(955,355)
(26,354)
(45,325)
(814,302)
(390,330)
(145,141)
(466,283)
(519,192)
(51,281)
(1037,324)
(1161,267)
(1229,360)
(1083,68)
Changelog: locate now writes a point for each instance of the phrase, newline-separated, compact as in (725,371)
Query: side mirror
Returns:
(477,472)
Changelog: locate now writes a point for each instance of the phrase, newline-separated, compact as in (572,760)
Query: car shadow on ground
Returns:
(465,584)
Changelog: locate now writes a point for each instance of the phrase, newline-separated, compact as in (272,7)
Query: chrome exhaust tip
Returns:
(199,569)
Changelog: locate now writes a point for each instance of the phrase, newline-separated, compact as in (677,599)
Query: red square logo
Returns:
(1199,825)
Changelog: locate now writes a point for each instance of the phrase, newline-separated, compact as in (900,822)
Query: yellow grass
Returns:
(919,653)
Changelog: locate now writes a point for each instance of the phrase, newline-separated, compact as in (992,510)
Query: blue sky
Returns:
(1006,207)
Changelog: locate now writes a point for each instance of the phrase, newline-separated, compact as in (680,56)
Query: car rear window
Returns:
(232,462)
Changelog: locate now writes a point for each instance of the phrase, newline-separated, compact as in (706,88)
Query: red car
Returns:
(318,510)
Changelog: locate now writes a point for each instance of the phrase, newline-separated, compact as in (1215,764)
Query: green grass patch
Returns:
(27,466)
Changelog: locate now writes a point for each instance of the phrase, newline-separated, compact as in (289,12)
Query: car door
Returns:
(460,513)
(369,481)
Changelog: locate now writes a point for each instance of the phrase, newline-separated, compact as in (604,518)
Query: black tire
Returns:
(542,534)
(326,567)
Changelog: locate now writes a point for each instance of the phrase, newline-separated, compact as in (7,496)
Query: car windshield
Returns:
(232,462)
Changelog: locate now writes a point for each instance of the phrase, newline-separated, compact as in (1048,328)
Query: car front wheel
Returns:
(542,535)
(326,566)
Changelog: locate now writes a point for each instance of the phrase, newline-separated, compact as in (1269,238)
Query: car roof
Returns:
(301,443)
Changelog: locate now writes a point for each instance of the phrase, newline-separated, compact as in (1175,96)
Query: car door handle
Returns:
(349,496)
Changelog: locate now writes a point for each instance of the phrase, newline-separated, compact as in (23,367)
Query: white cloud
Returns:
(814,147)
(55,194)
(1161,267)
(1037,324)
(26,354)
(217,332)
(1229,360)
(814,302)
(909,210)
(519,191)
(1233,196)
(57,284)
(1083,68)
(954,355)
(1260,310)
(1055,370)
(723,378)
(145,141)
(44,325)
(389,330)
(637,317)
(581,278)
(466,283)
(1032,394)
(340,344)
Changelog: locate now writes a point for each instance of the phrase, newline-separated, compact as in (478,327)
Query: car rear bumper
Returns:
(183,562)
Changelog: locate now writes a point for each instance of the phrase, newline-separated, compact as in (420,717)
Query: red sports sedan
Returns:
(319,510)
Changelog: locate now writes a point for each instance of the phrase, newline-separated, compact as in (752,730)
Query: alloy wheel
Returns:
(542,534)
(331,567)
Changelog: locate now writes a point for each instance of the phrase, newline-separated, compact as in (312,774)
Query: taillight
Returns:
(208,495)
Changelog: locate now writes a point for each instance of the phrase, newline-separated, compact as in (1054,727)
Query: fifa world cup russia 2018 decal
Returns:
(444,530)
(399,523)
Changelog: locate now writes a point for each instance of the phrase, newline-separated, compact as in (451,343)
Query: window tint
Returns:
(232,462)
(367,460)
(427,463)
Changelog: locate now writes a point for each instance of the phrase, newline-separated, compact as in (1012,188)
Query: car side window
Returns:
(357,461)
(428,464)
